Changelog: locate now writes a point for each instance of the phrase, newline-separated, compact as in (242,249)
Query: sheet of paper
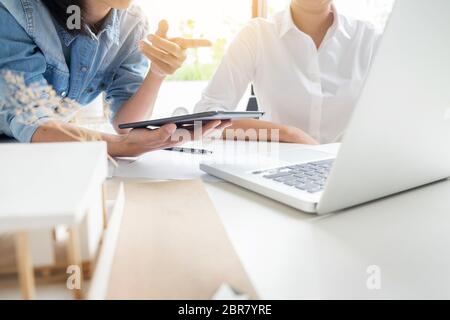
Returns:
(162,165)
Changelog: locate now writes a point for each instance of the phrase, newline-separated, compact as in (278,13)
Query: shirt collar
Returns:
(286,23)
(111,27)
(65,35)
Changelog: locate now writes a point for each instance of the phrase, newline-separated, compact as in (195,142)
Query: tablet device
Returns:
(191,119)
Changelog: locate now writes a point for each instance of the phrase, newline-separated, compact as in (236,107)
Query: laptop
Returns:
(399,135)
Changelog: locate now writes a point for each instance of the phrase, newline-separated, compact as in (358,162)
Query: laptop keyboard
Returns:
(310,177)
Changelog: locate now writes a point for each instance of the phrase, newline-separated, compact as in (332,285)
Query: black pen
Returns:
(189,150)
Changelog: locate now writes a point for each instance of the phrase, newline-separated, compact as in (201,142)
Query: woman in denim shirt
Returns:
(106,54)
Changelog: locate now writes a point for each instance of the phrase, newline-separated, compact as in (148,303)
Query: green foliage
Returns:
(198,70)
(194,72)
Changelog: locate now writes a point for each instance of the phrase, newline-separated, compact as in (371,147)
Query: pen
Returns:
(190,150)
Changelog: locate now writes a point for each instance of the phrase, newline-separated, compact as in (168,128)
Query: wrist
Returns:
(116,145)
(156,73)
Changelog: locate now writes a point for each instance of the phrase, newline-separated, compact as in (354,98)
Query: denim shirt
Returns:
(33,45)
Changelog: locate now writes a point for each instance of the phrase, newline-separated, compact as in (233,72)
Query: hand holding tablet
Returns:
(175,131)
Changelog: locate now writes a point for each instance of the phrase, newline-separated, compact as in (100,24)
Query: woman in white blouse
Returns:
(307,64)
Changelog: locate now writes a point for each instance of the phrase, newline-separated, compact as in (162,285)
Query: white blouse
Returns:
(296,84)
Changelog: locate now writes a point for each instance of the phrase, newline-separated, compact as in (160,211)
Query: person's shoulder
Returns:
(362,34)
(270,23)
(260,27)
(134,18)
(354,27)
(135,12)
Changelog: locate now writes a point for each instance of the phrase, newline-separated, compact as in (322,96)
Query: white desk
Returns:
(292,255)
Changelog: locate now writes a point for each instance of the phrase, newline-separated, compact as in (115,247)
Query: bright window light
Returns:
(219,21)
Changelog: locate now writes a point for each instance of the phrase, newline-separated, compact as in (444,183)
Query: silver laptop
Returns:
(398,137)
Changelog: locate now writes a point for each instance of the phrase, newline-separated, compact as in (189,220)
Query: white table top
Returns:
(292,255)
(44,185)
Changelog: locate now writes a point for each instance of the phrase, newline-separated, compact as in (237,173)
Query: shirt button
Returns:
(63,94)
(84,69)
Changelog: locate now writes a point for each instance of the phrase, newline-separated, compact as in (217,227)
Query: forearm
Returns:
(266,131)
(64,132)
(140,106)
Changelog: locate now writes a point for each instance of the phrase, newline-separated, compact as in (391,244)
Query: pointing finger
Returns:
(191,43)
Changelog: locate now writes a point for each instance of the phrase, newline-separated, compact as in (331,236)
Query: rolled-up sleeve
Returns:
(19,54)
(131,73)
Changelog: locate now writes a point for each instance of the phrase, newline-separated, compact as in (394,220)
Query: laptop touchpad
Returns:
(303,155)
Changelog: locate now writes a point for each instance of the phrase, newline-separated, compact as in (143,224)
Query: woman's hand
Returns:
(267,131)
(296,135)
(168,55)
(140,141)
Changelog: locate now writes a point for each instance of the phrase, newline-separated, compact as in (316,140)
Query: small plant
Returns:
(38,103)
(33,102)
